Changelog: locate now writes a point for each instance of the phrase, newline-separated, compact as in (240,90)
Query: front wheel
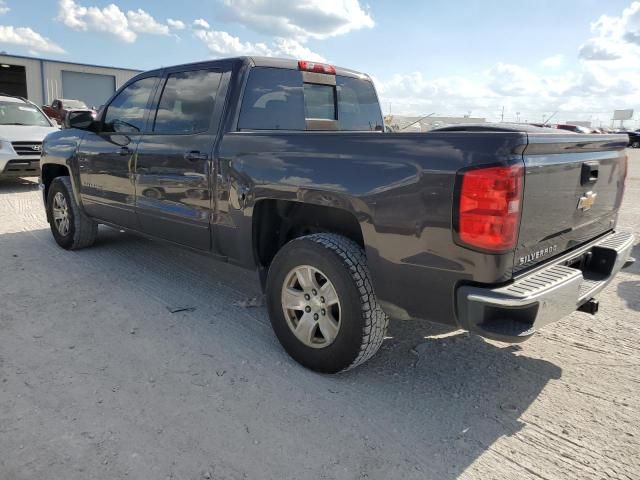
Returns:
(321,303)
(70,227)
(635,145)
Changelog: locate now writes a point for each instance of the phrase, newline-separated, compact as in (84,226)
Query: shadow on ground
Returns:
(18,185)
(427,406)
(630,291)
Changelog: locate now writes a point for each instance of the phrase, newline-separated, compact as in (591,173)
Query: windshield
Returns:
(68,104)
(14,113)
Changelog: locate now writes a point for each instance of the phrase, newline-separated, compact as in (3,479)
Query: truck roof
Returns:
(273,62)
(293,65)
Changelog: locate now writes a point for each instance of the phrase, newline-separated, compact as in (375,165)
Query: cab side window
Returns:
(273,100)
(125,114)
(186,103)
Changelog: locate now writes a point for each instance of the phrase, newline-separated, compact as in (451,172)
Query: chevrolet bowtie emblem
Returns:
(587,201)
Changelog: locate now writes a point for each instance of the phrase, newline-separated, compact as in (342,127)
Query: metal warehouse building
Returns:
(42,81)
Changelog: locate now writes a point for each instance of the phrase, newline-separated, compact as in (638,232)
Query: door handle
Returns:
(124,151)
(194,155)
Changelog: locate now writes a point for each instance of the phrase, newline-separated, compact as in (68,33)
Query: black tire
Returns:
(635,145)
(82,231)
(363,324)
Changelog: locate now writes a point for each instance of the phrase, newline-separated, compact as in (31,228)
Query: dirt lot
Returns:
(99,380)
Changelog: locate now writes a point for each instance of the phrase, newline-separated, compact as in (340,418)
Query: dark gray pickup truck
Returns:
(283,167)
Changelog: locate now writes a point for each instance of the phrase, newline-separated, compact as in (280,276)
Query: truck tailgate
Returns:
(572,193)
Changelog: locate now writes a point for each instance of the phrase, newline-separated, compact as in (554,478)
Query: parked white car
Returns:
(23,127)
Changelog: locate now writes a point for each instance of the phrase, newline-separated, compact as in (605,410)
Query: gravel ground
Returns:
(99,380)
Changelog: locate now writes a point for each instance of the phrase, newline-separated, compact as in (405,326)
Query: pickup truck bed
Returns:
(495,229)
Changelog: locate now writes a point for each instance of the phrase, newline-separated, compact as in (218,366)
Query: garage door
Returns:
(13,79)
(91,88)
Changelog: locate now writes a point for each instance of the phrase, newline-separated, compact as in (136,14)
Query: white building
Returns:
(42,81)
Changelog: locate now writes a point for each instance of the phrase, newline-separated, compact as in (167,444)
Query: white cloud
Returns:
(140,21)
(176,24)
(301,19)
(631,19)
(592,92)
(553,61)
(415,94)
(284,47)
(222,44)
(514,80)
(3,7)
(201,23)
(599,49)
(109,19)
(25,36)
(615,38)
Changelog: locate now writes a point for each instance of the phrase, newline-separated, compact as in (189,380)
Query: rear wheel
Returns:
(635,144)
(70,227)
(321,303)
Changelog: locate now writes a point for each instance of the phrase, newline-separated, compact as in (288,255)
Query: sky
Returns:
(579,58)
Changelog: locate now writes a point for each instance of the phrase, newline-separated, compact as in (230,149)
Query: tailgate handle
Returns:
(589,173)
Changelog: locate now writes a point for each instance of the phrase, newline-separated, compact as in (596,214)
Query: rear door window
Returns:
(186,103)
(273,100)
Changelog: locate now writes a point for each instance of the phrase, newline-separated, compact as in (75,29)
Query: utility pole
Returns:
(502,116)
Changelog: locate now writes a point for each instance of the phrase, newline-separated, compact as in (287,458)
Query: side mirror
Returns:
(81,119)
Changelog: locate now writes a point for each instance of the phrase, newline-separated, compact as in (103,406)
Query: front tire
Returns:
(70,227)
(322,305)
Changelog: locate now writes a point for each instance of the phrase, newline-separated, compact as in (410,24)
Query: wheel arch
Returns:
(276,222)
(49,172)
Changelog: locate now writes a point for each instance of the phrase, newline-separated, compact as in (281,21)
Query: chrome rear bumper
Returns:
(513,312)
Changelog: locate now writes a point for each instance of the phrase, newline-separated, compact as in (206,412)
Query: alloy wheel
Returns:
(311,306)
(61,214)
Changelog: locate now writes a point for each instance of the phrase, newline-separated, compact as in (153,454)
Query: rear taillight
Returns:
(316,67)
(489,208)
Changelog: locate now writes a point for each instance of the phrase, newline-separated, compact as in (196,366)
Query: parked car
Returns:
(345,224)
(573,128)
(58,109)
(23,126)
(634,138)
